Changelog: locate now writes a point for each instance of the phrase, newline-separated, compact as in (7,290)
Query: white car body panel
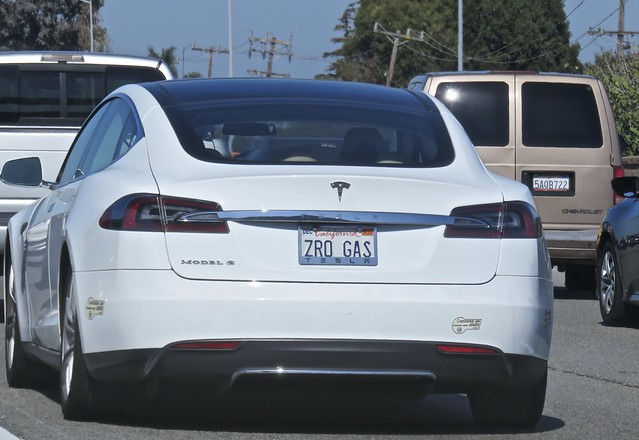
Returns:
(512,317)
(141,296)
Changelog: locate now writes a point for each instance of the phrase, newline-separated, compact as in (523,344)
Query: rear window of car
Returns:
(481,108)
(312,134)
(560,115)
(61,95)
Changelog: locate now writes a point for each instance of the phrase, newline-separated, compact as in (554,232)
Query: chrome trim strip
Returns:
(301,372)
(333,217)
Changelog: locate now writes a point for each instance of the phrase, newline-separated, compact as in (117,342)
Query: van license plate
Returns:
(551,183)
(337,245)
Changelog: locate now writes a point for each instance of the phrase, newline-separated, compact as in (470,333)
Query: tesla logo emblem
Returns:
(340,186)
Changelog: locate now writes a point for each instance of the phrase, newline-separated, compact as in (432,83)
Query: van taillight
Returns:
(149,212)
(617,172)
(502,220)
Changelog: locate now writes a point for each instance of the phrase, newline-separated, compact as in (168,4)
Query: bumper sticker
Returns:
(94,307)
(460,325)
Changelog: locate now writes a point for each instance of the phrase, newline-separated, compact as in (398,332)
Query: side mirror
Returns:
(627,186)
(26,171)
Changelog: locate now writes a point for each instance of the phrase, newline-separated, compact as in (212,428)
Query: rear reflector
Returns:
(150,212)
(465,349)
(210,345)
(502,220)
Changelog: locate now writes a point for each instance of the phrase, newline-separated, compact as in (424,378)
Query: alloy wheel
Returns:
(608,282)
(67,349)
(10,321)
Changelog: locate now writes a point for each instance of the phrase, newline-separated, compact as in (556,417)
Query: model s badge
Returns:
(340,186)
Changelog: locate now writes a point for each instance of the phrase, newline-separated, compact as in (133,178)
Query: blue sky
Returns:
(134,25)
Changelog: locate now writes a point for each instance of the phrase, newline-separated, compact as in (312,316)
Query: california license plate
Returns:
(337,245)
(551,183)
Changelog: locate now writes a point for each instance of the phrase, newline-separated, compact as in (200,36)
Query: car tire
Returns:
(519,407)
(609,287)
(76,388)
(578,277)
(21,371)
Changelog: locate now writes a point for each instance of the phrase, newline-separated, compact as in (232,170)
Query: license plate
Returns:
(551,183)
(337,245)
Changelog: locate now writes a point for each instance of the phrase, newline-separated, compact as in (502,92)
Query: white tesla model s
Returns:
(216,231)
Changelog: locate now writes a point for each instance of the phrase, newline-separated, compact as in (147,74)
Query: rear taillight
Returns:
(207,345)
(148,212)
(465,349)
(617,172)
(500,220)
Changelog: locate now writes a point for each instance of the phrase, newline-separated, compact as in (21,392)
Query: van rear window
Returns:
(61,95)
(481,108)
(560,115)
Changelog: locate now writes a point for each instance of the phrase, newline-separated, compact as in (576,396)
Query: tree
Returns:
(498,35)
(519,35)
(168,56)
(620,76)
(49,25)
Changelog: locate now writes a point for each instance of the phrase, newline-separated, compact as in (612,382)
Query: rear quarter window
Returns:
(560,115)
(481,108)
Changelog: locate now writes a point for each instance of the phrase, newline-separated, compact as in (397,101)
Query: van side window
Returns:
(560,115)
(481,108)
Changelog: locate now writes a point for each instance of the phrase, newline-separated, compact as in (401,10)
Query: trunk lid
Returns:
(264,242)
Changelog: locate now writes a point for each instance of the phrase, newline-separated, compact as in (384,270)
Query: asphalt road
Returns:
(593,393)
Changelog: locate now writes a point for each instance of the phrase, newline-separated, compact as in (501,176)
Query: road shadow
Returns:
(312,411)
(561,292)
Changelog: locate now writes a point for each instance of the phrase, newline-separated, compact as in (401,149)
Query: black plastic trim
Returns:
(458,373)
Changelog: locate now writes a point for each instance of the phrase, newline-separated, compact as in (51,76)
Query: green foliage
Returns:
(498,35)
(168,56)
(620,76)
(50,25)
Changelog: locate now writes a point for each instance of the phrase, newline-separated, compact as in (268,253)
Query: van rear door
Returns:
(565,152)
(483,104)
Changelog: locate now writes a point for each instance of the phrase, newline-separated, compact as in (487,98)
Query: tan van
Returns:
(44,99)
(555,133)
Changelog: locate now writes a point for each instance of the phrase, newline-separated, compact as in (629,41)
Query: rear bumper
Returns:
(572,246)
(414,364)
(131,320)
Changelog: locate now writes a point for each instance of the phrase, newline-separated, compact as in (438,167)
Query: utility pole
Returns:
(90,3)
(396,38)
(620,32)
(272,43)
(460,35)
(230,40)
(210,50)
(620,29)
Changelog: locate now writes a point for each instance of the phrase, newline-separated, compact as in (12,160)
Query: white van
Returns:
(44,99)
